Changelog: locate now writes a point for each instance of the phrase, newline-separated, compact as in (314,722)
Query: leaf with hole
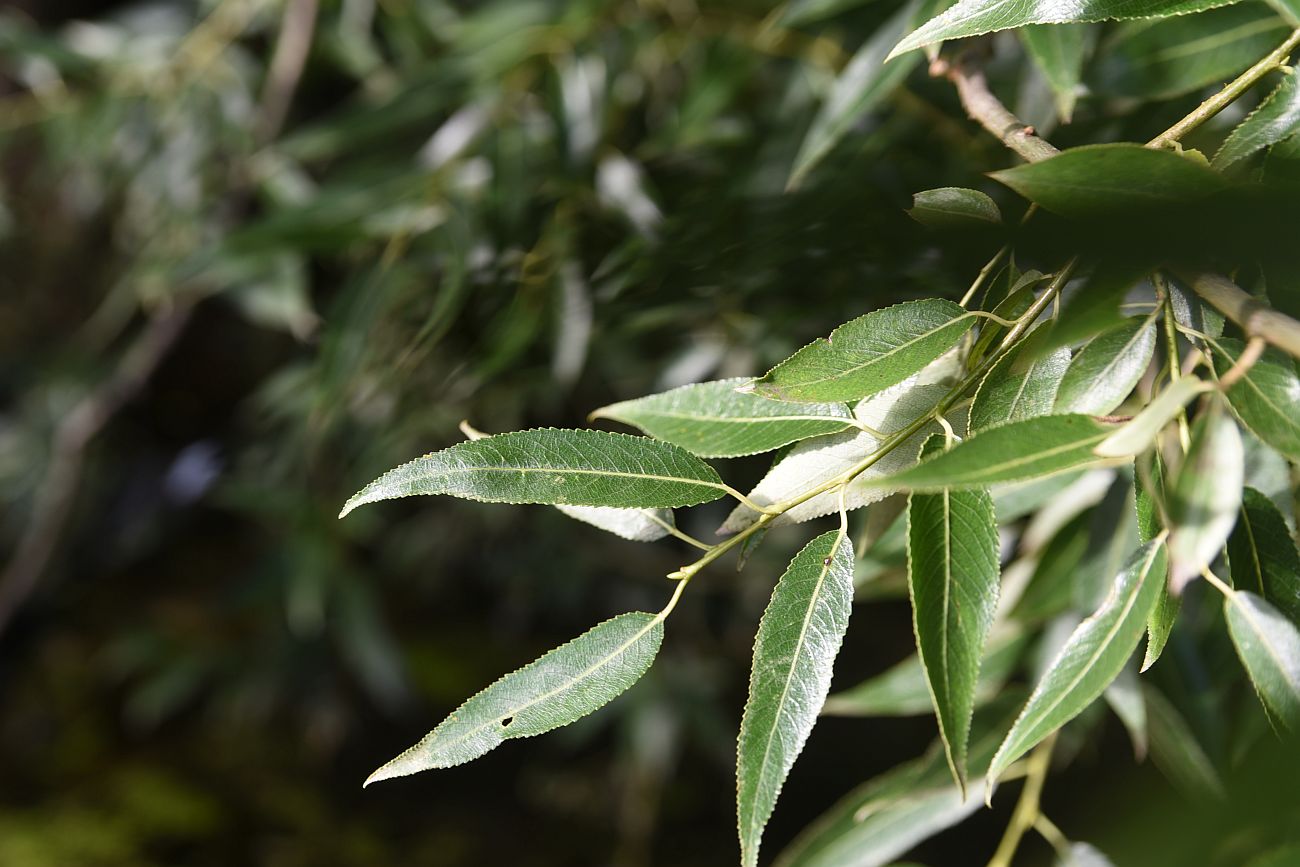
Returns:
(794,652)
(564,685)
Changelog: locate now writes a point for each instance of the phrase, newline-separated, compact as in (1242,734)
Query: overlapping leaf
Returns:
(556,467)
(1021,385)
(714,420)
(1150,496)
(1092,657)
(868,354)
(562,686)
(1277,117)
(1263,554)
(1269,647)
(1205,497)
(1267,398)
(1104,372)
(794,652)
(1059,50)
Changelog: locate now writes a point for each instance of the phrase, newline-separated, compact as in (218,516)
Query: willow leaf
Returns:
(637,525)
(1277,117)
(1092,657)
(1105,371)
(952,578)
(1160,622)
(1021,385)
(555,467)
(953,207)
(1176,751)
(713,420)
(868,354)
(1205,497)
(566,684)
(1010,452)
(794,652)
(1263,555)
(1059,51)
(1269,647)
(974,17)
(1267,398)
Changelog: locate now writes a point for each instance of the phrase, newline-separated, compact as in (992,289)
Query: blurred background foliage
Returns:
(255,252)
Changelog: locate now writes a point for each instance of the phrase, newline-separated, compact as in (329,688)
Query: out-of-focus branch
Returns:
(74,434)
(1255,318)
(989,112)
(291,50)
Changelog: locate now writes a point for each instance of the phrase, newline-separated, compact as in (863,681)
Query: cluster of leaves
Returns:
(1046,481)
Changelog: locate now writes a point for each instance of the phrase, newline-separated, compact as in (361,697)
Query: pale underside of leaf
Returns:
(1205,497)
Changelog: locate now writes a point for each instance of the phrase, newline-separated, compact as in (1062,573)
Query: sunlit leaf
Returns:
(1267,398)
(1021,385)
(1276,118)
(1150,497)
(1269,647)
(1105,371)
(1060,50)
(1205,497)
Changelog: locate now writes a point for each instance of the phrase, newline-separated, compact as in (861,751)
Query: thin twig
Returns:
(78,428)
(987,110)
(1027,807)
(1254,317)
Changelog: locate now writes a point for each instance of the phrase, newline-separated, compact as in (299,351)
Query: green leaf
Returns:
(1191,312)
(1021,385)
(794,652)
(1162,59)
(868,354)
(1107,179)
(1177,752)
(1124,695)
(1105,371)
(954,207)
(564,685)
(1010,452)
(637,525)
(1094,308)
(974,17)
(1150,494)
(713,420)
(1288,9)
(556,467)
(903,691)
(1269,647)
(1263,556)
(1267,398)
(1092,657)
(1205,496)
(1276,118)
(1059,51)
(952,579)
(1137,434)
(864,83)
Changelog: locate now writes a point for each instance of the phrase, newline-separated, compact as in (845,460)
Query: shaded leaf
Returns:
(568,467)
(713,420)
(794,652)
(1205,496)
(1021,385)
(868,354)
(1267,398)
(1105,371)
(1092,657)
(1177,752)
(564,685)
(949,207)
(1262,554)
(1269,647)
(1059,51)
(1124,695)
(1150,496)
(1276,118)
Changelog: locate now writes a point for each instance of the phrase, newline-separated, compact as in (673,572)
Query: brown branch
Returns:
(1255,318)
(989,112)
(58,488)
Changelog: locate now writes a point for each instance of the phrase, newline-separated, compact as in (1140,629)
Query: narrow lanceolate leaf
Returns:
(1019,386)
(1267,398)
(1277,117)
(1205,497)
(952,545)
(1263,555)
(1107,369)
(1092,657)
(555,467)
(1269,647)
(1108,179)
(638,525)
(1059,51)
(1139,433)
(954,207)
(794,652)
(564,685)
(1160,622)
(1010,452)
(973,17)
(713,420)
(1177,752)
(868,354)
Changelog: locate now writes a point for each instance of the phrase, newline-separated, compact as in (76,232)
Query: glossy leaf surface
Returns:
(1107,369)
(1021,385)
(1205,497)
(1269,647)
(1267,398)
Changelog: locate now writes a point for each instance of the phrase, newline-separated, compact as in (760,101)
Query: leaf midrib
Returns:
(849,371)
(1016,462)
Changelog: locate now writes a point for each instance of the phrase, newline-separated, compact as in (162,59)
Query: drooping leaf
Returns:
(1092,657)
(1104,372)
(1110,179)
(794,652)
(564,685)
(1276,118)
(1177,752)
(1262,554)
(868,354)
(864,83)
(974,17)
(713,420)
(1267,398)
(1094,309)
(953,581)
(1059,50)
(1205,496)
(1269,647)
(1137,434)
(1010,452)
(902,690)
(1150,496)
(952,207)
(556,467)
(1021,385)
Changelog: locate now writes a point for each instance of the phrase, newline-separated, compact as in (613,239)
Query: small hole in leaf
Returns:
(506,722)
